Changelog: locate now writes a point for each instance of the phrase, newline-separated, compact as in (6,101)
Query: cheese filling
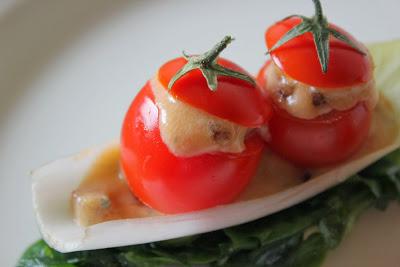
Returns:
(308,102)
(188,131)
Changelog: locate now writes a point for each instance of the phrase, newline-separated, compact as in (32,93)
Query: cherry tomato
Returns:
(328,139)
(173,184)
(235,100)
(299,60)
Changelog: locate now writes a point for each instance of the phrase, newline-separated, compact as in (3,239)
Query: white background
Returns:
(70,68)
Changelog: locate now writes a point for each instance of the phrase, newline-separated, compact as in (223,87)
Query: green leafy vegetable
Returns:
(300,236)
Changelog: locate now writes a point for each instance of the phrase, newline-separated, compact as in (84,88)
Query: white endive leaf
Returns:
(54,183)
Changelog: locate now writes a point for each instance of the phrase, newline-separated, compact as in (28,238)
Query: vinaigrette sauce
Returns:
(103,194)
(212,133)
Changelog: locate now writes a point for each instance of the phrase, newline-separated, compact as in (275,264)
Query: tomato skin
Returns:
(328,139)
(234,100)
(172,184)
(299,60)
(262,78)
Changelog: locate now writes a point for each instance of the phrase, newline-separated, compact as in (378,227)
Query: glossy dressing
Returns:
(178,119)
(103,195)
(308,102)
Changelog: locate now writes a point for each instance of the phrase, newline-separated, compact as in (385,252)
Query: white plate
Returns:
(69,69)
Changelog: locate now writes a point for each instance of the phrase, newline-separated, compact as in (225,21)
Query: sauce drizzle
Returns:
(103,194)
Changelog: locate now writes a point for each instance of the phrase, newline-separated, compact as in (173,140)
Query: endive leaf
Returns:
(265,240)
(386,57)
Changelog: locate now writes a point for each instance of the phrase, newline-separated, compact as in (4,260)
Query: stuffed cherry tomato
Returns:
(320,80)
(189,138)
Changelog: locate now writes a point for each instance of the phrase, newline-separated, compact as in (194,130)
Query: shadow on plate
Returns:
(35,32)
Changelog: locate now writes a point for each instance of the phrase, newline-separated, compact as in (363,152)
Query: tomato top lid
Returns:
(318,53)
(216,86)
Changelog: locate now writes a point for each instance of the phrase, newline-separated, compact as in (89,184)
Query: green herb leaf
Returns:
(310,253)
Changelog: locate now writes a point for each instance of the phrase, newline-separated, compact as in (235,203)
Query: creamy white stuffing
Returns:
(308,102)
(188,131)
